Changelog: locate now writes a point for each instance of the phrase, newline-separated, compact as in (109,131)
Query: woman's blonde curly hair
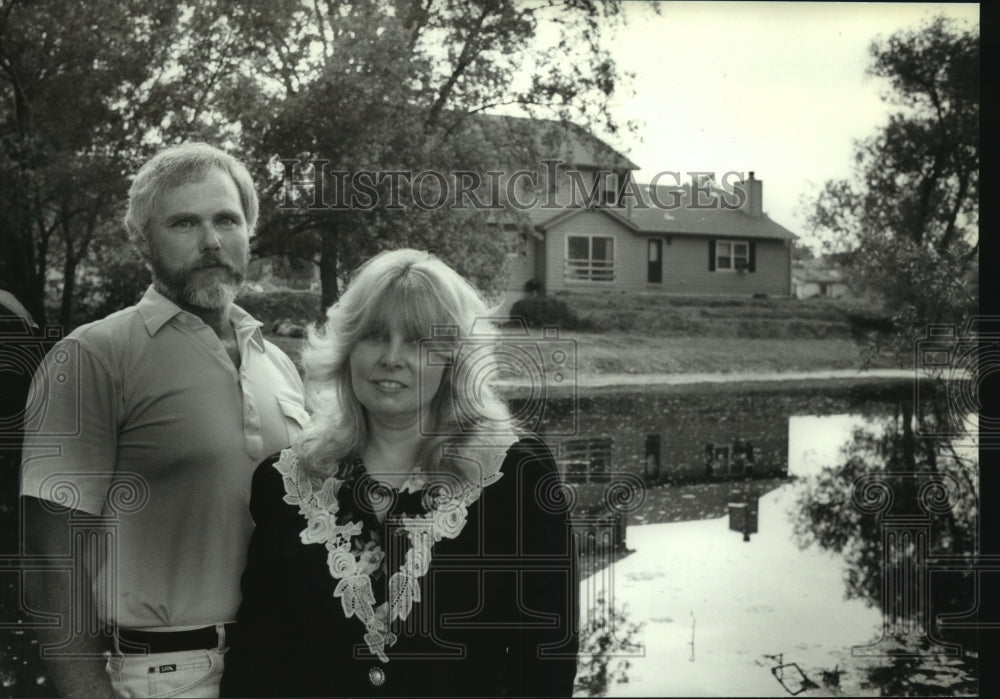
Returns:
(416,291)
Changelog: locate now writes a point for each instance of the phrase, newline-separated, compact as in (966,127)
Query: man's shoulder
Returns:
(110,331)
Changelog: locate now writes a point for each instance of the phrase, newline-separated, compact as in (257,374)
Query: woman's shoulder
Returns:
(529,452)
(267,487)
(531,499)
(269,471)
(527,463)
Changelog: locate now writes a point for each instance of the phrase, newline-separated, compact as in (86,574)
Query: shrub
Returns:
(268,307)
(546,310)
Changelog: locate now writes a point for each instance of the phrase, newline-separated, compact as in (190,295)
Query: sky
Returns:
(777,88)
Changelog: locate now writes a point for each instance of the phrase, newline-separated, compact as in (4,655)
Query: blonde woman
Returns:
(412,541)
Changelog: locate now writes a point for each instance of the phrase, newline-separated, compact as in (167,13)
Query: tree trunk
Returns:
(34,300)
(909,439)
(69,286)
(20,278)
(330,239)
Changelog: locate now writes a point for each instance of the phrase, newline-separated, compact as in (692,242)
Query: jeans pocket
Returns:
(186,676)
(188,673)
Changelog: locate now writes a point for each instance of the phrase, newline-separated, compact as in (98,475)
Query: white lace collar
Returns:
(352,570)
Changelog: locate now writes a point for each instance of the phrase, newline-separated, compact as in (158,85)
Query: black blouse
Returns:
(497,614)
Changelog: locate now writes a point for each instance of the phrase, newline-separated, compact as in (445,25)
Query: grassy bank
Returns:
(616,334)
(705,316)
(618,353)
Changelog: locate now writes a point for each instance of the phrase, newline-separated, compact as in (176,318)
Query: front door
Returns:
(654,272)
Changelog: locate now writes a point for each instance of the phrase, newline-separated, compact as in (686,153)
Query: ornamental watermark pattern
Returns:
(956,362)
(312,185)
(537,365)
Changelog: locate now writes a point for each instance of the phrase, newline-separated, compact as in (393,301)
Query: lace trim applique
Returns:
(318,504)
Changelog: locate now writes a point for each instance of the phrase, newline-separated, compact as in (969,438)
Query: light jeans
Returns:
(188,673)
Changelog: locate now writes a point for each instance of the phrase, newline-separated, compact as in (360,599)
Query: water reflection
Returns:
(607,645)
(904,514)
(861,528)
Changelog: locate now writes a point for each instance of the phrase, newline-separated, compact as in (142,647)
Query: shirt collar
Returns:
(245,324)
(157,310)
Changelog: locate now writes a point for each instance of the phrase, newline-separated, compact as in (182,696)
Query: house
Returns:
(590,227)
(819,277)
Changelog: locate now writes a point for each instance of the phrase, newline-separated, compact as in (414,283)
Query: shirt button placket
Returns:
(251,427)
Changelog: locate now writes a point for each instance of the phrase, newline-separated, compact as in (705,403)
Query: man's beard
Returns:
(211,284)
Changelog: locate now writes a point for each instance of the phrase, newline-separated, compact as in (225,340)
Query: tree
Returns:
(399,86)
(78,113)
(367,86)
(912,210)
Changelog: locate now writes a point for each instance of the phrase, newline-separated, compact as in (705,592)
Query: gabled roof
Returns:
(560,140)
(687,221)
(680,221)
(671,213)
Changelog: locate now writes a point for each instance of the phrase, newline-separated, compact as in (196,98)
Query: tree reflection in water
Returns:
(607,640)
(891,506)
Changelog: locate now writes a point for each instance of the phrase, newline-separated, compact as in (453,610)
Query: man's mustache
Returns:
(214,261)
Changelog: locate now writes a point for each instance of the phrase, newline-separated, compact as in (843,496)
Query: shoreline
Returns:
(600,383)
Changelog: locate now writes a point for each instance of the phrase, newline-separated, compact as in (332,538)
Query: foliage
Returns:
(111,277)
(392,87)
(78,113)
(372,87)
(538,311)
(911,213)
(919,286)
(270,307)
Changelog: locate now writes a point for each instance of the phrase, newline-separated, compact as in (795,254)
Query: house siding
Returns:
(685,269)
(586,223)
(684,260)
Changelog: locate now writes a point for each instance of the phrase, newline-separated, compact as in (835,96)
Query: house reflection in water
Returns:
(691,434)
(676,436)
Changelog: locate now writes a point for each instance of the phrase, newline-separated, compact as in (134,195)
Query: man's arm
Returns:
(46,534)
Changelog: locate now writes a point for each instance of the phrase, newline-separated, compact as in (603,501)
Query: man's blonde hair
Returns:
(177,165)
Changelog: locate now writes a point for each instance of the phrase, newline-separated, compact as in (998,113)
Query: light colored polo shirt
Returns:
(145,416)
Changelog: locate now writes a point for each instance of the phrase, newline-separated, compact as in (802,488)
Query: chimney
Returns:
(754,188)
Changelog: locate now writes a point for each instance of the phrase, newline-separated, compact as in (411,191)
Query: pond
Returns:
(777,541)
(762,540)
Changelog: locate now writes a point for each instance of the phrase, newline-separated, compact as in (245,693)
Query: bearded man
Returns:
(137,470)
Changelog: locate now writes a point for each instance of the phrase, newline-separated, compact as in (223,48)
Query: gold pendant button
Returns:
(376,676)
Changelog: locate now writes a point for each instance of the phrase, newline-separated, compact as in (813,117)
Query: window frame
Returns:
(732,256)
(588,459)
(606,273)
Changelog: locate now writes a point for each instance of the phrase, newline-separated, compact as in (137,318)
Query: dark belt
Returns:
(141,642)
